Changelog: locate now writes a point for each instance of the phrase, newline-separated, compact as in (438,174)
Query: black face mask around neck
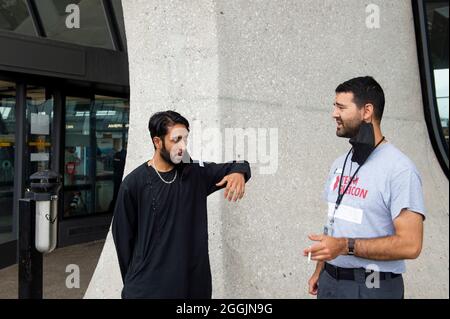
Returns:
(363,143)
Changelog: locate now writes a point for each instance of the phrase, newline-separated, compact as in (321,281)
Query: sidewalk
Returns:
(84,255)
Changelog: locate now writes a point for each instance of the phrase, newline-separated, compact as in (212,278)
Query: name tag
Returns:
(347,213)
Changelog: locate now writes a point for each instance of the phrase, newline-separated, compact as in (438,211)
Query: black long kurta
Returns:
(161,231)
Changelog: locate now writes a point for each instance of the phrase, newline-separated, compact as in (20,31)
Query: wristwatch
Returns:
(351,246)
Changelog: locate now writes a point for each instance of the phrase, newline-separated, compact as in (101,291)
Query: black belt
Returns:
(339,273)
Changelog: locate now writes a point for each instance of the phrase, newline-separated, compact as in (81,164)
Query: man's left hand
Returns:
(235,188)
(327,248)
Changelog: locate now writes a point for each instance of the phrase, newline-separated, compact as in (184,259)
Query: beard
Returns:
(165,154)
(349,129)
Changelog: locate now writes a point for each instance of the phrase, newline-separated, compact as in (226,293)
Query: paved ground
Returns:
(85,256)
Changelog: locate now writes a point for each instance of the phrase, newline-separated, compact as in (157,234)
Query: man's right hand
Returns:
(313,286)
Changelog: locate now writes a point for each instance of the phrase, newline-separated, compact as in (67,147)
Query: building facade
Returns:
(64,96)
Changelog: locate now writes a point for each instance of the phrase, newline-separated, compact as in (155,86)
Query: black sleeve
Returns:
(124,228)
(214,173)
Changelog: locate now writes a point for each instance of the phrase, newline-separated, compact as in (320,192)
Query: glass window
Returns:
(14,16)
(93,31)
(96,140)
(437,15)
(441,80)
(7,143)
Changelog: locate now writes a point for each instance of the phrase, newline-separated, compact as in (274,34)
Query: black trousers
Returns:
(360,288)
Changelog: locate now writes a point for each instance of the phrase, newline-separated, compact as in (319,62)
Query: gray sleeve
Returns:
(326,188)
(406,193)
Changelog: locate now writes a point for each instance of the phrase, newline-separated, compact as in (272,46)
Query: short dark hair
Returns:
(365,90)
(160,122)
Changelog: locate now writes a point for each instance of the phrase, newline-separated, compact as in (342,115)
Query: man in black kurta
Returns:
(160,229)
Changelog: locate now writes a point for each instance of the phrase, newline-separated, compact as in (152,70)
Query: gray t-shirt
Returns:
(385,185)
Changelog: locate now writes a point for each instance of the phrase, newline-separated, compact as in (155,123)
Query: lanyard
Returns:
(341,196)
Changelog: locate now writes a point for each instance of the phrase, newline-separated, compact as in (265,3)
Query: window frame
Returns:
(430,104)
(111,19)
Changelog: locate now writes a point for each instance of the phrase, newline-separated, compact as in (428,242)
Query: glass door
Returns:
(111,138)
(78,158)
(40,119)
(95,150)
(7,153)
(26,131)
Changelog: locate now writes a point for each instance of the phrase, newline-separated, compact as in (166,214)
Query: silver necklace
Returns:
(156,170)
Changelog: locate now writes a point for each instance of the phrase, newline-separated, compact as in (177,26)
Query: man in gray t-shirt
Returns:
(375,205)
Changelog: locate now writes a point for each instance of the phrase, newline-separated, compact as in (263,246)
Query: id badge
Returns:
(328,229)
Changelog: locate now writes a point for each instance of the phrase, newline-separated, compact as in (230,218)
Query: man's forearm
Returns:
(386,248)
(319,266)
